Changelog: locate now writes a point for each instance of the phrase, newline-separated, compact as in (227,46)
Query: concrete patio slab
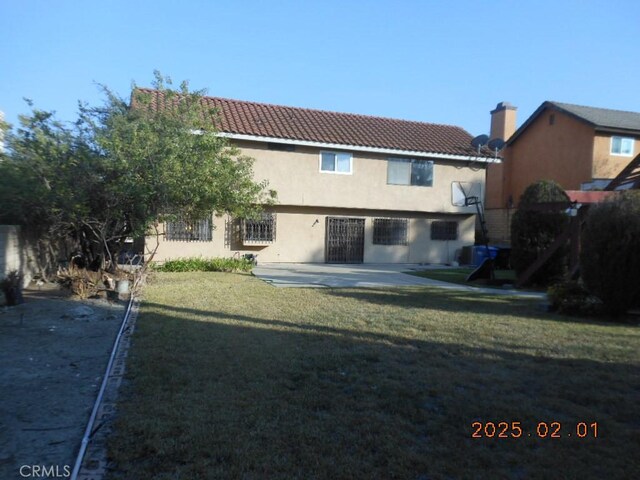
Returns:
(318,275)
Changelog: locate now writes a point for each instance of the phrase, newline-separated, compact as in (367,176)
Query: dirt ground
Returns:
(53,352)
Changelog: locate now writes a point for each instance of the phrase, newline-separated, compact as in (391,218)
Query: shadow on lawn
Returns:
(466,302)
(295,399)
(432,297)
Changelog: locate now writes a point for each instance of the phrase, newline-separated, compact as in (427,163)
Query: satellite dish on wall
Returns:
(479,142)
(496,144)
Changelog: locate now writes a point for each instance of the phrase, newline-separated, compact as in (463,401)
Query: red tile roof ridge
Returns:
(265,120)
(313,110)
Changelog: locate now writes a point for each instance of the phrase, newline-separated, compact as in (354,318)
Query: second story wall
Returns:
(610,158)
(556,147)
(299,181)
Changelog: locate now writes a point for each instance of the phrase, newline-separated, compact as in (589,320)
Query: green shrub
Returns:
(572,298)
(200,264)
(532,232)
(610,256)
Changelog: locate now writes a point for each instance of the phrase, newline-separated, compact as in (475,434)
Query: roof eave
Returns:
(360,148)
(622,131)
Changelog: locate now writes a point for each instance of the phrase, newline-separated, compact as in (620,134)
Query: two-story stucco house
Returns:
(351,189)
(581,148)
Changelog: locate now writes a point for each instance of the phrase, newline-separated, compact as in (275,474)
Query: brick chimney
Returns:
(503,121)
(498,180)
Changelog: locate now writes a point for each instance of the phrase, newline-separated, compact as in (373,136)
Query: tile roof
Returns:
(307,125)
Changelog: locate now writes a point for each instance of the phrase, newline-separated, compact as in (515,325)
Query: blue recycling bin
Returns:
(480,254)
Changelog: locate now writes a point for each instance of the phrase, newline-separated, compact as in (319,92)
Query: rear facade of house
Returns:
(351,189)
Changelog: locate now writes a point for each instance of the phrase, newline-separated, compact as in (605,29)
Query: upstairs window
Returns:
(390,231)
(334,162)
(181,230)
(444,230)
(408,171)
(622,146)
(259,230)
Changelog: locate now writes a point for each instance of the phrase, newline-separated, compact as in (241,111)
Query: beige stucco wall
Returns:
(300,238)
(306,197)
(425,250)
(297,178)
(606,165)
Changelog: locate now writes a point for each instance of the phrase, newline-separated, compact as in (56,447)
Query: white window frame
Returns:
(334,171)
(622,140)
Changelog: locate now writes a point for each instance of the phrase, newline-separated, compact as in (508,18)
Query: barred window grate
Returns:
(184,231)
(444,230)
(390,231)
(260,230)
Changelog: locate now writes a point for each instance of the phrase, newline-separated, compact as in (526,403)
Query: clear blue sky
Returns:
(436,61)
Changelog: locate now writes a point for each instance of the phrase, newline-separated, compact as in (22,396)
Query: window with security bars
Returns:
(444,230)
(260,230)
(189,231)
(390,231)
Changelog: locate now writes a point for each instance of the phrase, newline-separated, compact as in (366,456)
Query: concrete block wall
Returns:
(498,221)
(13,253)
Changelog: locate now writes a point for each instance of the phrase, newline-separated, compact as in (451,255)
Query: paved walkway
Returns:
(319,275)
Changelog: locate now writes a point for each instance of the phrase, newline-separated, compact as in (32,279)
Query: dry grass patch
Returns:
(233,378)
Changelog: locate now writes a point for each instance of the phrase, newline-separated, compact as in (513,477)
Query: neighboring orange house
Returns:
(581,148)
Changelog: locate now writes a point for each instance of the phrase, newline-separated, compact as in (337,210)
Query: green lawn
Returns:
(232,378)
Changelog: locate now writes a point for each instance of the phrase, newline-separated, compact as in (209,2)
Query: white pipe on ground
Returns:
(88,431)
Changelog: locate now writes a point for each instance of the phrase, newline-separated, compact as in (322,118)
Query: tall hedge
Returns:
(610,256)
(533,231)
